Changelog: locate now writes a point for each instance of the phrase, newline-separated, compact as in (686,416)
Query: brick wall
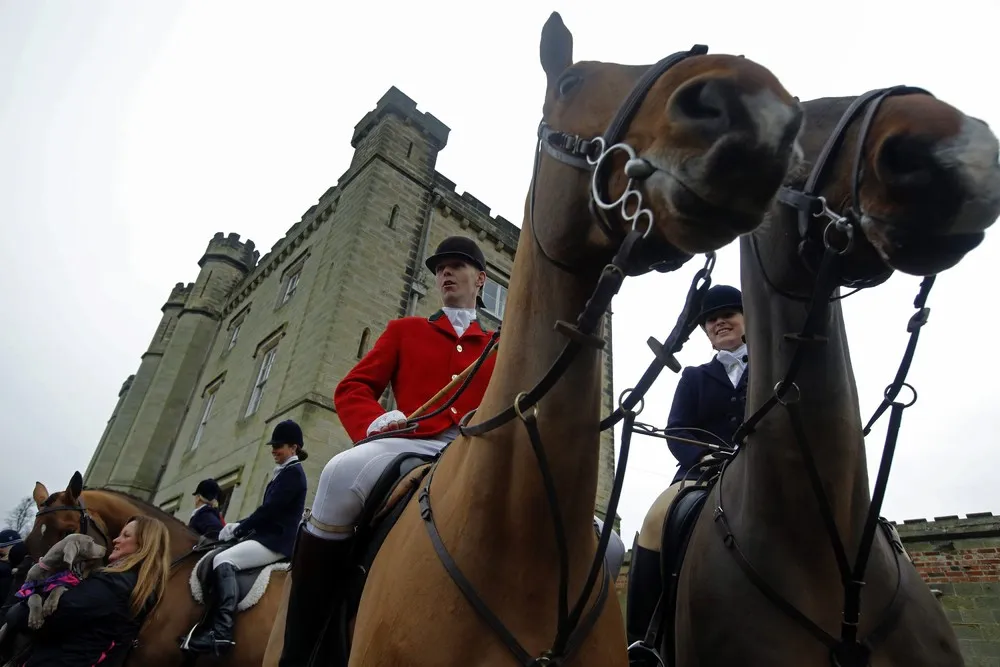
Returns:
(960,560)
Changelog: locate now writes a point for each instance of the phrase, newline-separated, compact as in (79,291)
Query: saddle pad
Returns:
(251,583)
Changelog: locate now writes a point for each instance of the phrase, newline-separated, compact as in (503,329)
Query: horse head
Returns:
(708,137)
(908,183)
(61,514)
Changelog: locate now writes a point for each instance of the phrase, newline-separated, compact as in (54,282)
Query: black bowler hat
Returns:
(288,433)
(208,489)
(460,247)
(720,297)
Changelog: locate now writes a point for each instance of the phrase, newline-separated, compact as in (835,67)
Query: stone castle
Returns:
(256,340)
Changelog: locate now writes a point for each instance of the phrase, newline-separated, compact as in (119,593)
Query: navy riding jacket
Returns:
(705,399)
(276,522)
(206,521)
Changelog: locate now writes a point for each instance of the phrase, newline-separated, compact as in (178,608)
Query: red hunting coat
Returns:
(418,357)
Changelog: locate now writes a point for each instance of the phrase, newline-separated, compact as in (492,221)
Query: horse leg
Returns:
(275,641)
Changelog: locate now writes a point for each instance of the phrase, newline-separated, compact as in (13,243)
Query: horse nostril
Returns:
(906,161)
(706,106)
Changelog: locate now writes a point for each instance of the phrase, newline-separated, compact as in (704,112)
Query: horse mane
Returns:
(149,507)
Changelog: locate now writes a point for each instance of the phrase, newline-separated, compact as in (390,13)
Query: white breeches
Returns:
(349,477)
(247,555)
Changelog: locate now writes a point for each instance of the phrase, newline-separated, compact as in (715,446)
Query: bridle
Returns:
(87,522)
(811,206)
(592,155)
(847,650)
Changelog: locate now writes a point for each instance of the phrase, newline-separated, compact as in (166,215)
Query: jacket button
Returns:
(458,347)
(454,411)
(732,400)
(454,377)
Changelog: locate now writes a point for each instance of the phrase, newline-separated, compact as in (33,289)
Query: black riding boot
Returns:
(219,637)
(319,568)
(645,586)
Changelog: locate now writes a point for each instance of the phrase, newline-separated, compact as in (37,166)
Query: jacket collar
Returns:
(717,371)
(441,322)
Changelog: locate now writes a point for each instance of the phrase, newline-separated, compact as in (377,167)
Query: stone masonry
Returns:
(960,560)
(256,340)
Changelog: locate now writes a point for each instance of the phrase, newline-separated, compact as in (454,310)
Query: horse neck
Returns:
(505,466)
(774,478)
(114,511)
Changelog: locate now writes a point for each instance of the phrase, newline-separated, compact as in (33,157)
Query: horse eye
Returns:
(568,83)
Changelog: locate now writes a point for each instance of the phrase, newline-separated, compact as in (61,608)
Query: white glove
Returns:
(227,531)
(390,421)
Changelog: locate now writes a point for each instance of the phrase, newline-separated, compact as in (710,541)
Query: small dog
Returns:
(80,555)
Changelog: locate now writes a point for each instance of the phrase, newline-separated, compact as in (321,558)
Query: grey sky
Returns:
(131,132)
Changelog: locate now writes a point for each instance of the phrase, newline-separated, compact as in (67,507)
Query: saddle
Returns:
(251,582)
(390,496)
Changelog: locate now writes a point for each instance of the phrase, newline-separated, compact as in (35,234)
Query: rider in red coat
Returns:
(418,357)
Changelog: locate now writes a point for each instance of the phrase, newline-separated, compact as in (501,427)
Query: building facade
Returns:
(256,340)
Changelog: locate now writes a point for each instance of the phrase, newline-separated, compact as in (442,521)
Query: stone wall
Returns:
(960,560)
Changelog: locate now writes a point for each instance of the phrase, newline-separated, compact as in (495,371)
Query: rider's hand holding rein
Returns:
(390,421)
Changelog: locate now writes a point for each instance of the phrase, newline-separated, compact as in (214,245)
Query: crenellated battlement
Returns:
(178,295)
(474,215)
(975,524)
(230,249)
(397,102)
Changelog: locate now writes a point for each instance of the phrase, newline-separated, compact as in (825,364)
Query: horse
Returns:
(636,169)
(794,566)
(102,513)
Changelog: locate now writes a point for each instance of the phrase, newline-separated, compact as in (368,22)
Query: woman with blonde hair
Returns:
(102,614)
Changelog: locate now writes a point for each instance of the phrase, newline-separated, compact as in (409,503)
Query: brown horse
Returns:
(708,140)
(102,514)
(910,184)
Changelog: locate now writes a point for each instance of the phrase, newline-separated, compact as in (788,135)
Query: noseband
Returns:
(87,522)
(811,205)
(595,155)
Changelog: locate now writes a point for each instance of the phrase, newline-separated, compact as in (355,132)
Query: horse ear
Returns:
(556,49)
(75,487)
(40,494)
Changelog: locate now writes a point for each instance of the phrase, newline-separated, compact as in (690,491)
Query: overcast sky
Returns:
(131,132)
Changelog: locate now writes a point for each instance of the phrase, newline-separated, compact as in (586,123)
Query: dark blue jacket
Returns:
(705,399)
(276,521)
(206,521)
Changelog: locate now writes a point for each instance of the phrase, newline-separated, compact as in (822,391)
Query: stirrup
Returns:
(641,654)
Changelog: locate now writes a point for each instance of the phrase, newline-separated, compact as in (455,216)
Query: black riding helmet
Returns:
(720,297)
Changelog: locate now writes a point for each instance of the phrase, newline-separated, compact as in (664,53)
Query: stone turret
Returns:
(183,350)
(134,390)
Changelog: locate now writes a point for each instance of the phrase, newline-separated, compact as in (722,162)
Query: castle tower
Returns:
(146,448)
(134,391)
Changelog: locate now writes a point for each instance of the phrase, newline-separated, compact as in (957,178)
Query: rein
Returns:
(848,650)
(593,155)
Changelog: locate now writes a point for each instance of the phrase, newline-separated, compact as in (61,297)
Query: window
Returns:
(227,484)
(293,283)
(225,495)
(171,506)
(206,413)
(363,344)
(495,298)
(262,375)
(232,339)
(392,217)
